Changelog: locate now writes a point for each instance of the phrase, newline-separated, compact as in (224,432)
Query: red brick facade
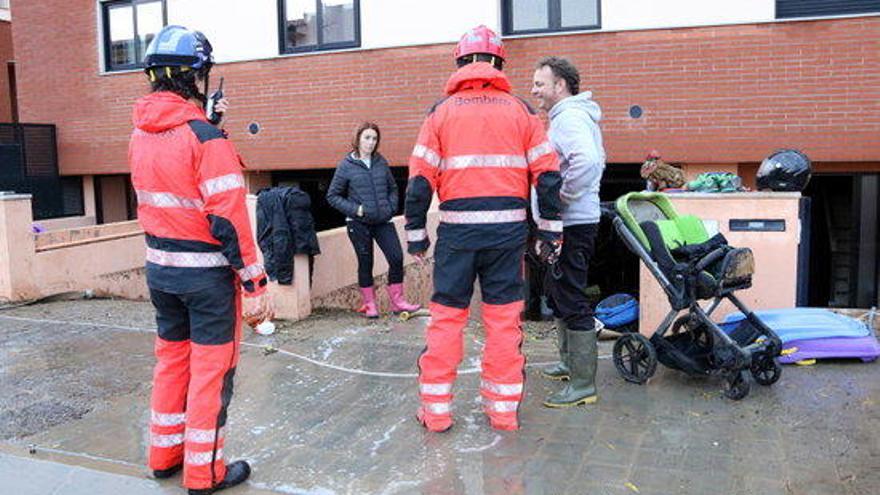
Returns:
(6,55)
(710,95)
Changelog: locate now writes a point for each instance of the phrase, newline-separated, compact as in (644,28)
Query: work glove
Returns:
(258,309)
(549,251)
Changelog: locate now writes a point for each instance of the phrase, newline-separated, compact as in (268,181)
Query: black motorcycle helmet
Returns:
(785,170)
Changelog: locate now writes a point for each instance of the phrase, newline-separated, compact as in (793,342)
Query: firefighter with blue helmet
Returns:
(201,262)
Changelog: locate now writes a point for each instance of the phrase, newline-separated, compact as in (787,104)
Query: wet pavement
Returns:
(326,406)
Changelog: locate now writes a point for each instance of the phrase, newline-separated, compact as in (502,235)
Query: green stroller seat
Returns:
(681,247)
(691,266)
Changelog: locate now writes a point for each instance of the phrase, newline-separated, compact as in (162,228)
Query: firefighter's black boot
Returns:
(162,474)
(236,474)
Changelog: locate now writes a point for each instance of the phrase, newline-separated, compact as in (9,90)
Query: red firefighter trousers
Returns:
(501,285)
(197,350)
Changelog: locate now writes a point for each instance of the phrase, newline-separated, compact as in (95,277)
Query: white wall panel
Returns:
(387,23)
(237,29)
(645,14)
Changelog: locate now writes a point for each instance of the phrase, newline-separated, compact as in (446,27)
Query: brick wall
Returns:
(710,95)
(732,94)
(6,55)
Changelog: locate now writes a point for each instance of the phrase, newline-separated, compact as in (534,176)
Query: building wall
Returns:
(6,55)
(721,94)
(649,14)
(393,23)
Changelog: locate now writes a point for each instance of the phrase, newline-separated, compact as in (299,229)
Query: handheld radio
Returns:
(213,116)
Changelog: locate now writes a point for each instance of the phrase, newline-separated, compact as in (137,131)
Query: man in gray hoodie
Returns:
(575,134)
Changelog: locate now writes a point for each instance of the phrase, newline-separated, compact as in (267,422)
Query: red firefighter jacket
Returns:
(191,199)
(482,150)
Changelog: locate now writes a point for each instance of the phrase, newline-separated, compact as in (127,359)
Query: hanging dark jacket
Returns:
(285,227)
(354,184)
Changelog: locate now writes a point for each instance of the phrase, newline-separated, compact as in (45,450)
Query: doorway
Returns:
(843,268)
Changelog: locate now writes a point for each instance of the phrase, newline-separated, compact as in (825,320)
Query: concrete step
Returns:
(31,476)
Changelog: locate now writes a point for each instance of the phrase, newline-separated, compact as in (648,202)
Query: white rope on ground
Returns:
(384,374)
(82,455)
(79,324)
(323,364)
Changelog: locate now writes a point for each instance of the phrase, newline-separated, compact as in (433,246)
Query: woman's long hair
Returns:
(356,142)
(181,82)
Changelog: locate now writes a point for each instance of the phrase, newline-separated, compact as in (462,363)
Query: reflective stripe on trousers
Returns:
(167,419)
(166,441)
(435,388)
(202,458)
(500,406)
(502,389)
(438,407)
(196,435)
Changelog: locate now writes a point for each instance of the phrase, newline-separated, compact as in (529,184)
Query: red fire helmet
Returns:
(480,40)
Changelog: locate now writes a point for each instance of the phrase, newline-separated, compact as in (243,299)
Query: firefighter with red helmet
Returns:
(484,152)
(200,260)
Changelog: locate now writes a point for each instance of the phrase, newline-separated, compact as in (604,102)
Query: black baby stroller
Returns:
(691,266)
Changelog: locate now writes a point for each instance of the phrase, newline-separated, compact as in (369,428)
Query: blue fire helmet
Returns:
(177,46)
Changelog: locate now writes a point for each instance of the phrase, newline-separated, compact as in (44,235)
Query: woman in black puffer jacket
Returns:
(364,190)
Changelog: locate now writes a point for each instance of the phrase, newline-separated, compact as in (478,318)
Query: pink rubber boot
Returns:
(369,308)
(398,303)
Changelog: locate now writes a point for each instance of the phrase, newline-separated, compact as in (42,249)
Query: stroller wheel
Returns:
(738,385)
(635,358)
(766,371)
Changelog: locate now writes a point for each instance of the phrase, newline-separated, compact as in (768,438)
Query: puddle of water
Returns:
(293,490)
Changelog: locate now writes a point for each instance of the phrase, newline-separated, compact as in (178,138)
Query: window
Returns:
(309,25)
(129,26)
(787,9)
(544,16)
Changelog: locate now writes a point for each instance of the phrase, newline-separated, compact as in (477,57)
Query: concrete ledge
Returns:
(13,196)
(71,236)
(744,196)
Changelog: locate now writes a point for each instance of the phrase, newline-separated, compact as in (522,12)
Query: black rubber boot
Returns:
(582,358)
(167,473)
(236,474)
(559,371)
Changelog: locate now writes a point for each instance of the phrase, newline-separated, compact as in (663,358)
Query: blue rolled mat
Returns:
(803,324)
